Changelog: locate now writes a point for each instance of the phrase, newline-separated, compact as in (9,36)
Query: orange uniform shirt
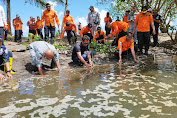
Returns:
(124,44)
(118,26)
(85,30)
(13,21)
(125,18)
(143,21)
(38,24)
(72,27)
(107,19)
(67,19)
(48,17)
(18,24)
(97,35)
(7,26)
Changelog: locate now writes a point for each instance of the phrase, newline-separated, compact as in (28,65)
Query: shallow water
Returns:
(148,89)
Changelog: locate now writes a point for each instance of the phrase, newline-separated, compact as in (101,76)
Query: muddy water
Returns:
(145,90)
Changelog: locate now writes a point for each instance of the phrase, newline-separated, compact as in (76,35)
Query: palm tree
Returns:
(38,3)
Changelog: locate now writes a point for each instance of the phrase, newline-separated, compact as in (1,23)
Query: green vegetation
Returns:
(104,48)
(60,47)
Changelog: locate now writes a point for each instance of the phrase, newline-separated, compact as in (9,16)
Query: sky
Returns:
(79,10)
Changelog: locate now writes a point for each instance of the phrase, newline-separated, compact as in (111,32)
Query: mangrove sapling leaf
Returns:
(103,48)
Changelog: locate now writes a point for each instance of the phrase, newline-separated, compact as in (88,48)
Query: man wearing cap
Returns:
(93,18)
(87,30)
(40,49)
(6,58)
(18,27)
(126,16)
(125,45)
(3,22)
(81,53)
(157,20)
(48,16)
(131,21)
(99,36)
(119,29)
(71,31)
(143,22)
(67,18)
(106,20)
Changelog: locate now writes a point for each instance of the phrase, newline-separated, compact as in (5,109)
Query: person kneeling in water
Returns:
(126,43)
(81,52)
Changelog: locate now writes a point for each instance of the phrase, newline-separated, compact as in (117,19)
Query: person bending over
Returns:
(99,36)
(126,43)
(81,53)
(40,49)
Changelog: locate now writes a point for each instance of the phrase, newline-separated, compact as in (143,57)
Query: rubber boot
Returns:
(10,63)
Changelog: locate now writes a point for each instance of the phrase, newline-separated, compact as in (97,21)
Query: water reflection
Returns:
(147,89)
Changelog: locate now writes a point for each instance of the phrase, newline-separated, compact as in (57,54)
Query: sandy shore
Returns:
(22,60)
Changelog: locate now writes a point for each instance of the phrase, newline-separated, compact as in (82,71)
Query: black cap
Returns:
(144,9)
(67,11)
(89,25)
(127,10)
(99,28)
(91,7)
(67,24)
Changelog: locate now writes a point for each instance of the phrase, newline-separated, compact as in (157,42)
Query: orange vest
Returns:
(124,44)
(18,24)
(85,30)
(118,26)
(107,19)
(72,27)
(48,17)
(97,35)
(38,24)
(7,26)
(125,18)
(143,21)
(67,19)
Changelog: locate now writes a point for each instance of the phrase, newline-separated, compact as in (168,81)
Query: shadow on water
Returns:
(147,89)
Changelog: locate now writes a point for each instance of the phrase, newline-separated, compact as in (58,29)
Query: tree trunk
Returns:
(66,5)
(176,37)
(8,15)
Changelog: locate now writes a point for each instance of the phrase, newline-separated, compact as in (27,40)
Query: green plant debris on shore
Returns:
(103,48)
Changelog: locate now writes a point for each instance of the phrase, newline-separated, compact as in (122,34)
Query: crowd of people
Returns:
(133,31)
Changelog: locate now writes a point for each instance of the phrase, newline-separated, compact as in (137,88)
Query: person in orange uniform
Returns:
(18,27)
(126,16)
(39,27)
(49,16)
(67,18)
(99,36)
(143,22)
(119,29)
(85,31)
(71,30)
(106,20)
(6,31)
(13,21)
(125,44)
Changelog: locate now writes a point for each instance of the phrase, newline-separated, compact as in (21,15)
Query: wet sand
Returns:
(22,60)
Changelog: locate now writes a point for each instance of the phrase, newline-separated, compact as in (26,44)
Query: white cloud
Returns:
(82,20)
